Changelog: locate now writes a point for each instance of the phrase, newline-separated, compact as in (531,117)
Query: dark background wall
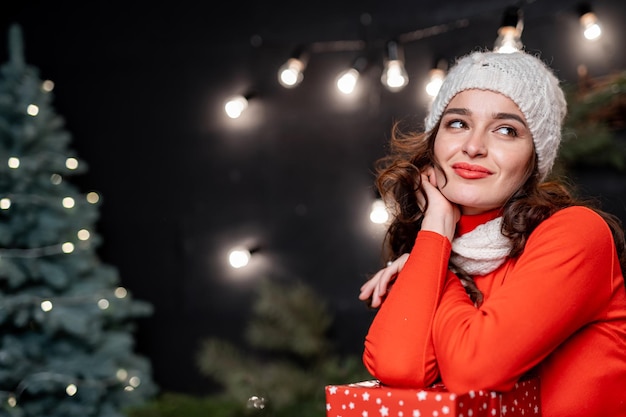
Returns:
(141,86)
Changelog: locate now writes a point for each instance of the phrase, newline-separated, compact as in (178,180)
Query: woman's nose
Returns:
(475,145)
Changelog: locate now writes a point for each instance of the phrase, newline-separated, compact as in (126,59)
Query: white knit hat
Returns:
(523,78)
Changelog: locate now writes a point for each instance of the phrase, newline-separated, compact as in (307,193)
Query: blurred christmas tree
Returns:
(290,357)
(594,134)
(282,371)
(66,342)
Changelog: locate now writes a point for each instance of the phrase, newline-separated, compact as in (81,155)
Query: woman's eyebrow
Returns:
(457,110)
(510,116)
(500,116)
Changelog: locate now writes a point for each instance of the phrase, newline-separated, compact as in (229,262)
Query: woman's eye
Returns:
(456,124)
(507,130)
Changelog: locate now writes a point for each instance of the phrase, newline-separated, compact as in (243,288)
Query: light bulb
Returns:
(239,257)
(508,40)
(510,32)
(435,80)
(346,82)
(591,28)
(379,213)
(235,106)
(290,73)
(394,76)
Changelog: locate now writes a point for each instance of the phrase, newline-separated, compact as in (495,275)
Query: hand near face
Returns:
(441,216)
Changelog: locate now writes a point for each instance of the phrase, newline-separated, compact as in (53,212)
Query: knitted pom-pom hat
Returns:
(523,78)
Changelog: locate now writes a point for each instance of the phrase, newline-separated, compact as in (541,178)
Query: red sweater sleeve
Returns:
(398,347)
(428,327)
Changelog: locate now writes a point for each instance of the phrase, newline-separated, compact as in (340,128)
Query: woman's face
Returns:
(484,147)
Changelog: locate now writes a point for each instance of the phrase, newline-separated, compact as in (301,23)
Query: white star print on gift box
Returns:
(372,399)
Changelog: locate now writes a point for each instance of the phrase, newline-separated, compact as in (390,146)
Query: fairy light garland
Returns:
(128,380)
(124,378)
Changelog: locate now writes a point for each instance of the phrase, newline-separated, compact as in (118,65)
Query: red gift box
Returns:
(372,399)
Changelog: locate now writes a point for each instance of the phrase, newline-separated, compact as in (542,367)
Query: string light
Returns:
(347,80)
(589,22)
(68,203)
(71,163)
(435,77)
(394,76)
(32,109)
(101,299)
(239,257)
(291,73)
(30,309)
(48,159)
(379,213)
(70,384)
(510,32)
(47,86)
(236,105)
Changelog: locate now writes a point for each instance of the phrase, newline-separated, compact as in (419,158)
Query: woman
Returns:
(473,208)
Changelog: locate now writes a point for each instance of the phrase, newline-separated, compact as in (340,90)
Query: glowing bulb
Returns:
(121,292)
(379,214)
(83,234)
(71,163)
(5,203)
(32,110)
(71,390)
(103,304)
(56,179)
(92,197)
(134,381)
(13,162)
(347,81)
(121,374)
(394,77)
(67,247)
(68,202)
(47,86)
(238,258)
(435,81)
(235,106)
(508,40)
(46,305)
(291,73)
(591,28)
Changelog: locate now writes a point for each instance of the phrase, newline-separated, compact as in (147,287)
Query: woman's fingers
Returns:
(377,287)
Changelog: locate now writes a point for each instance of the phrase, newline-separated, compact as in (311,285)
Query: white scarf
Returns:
(482,250)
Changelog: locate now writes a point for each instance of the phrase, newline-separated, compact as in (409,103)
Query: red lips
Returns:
(469,171)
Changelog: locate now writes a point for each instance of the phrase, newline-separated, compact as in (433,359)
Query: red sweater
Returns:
(557,311)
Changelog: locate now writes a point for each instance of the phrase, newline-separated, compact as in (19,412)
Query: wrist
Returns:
(443,225)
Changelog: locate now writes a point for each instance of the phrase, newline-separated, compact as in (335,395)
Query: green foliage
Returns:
(183,405)
(292,321)
(294,359)
(66,344)
(283,370)
(591,133)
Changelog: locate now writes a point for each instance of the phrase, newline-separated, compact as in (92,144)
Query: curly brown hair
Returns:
(398,180)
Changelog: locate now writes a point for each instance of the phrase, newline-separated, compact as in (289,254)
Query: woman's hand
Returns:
(441,215)
(375,289)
